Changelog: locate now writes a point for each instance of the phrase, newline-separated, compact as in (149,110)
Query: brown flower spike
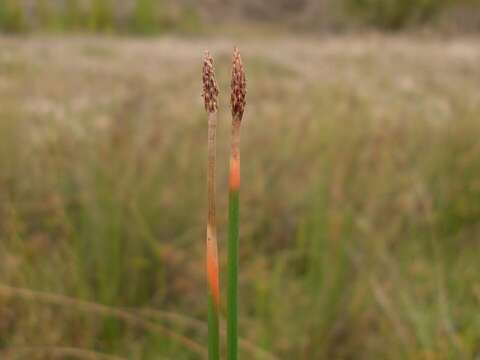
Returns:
(239,86)
(210,88)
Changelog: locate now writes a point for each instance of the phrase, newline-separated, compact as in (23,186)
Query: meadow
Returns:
(360,199)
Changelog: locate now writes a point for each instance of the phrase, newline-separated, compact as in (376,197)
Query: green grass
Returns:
(232,275)
(361,237)
(12,19)
(143,17)
(150,17)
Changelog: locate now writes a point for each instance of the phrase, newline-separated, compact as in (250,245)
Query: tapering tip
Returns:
(238,85)
(210,88)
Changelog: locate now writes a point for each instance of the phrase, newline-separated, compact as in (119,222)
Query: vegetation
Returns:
(99,16)
(395,14)
(237,105)
(210,97)
(362,233)
(11,16)
(147,17)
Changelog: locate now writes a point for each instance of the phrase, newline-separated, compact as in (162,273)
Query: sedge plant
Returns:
(237,102)
(210,97)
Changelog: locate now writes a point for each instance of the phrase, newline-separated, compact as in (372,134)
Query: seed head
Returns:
(210,88)
(239,86)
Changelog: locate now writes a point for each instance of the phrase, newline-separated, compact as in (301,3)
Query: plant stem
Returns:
(233,215)
(237,103)
(210,96)
(212,247)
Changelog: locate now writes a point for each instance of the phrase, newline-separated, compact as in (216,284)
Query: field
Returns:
(360,207)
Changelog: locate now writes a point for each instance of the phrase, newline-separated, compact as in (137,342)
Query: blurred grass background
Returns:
(360,190)
(157,16)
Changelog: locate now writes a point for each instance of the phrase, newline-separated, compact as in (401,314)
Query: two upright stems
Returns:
(210,95)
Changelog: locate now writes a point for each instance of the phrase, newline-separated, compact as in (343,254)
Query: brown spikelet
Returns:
(239,86)
(210,88)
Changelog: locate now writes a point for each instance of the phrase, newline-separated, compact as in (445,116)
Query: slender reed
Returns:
(210,96)
(237,102)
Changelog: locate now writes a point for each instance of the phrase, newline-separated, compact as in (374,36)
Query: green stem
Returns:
(233,215)
(232,305)
(213,332)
